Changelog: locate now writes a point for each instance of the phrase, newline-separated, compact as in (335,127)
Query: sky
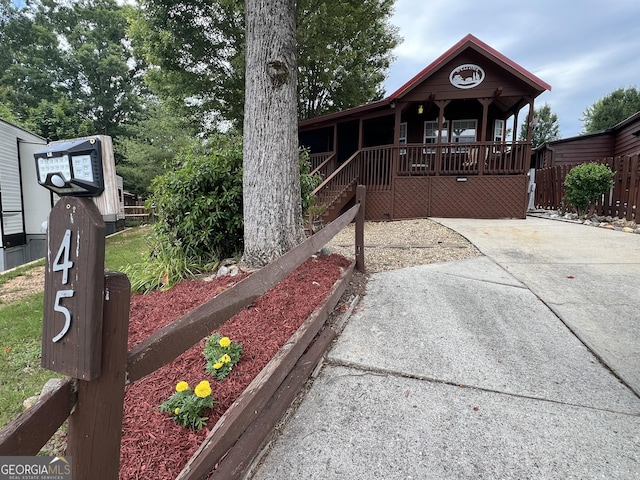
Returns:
(585,49)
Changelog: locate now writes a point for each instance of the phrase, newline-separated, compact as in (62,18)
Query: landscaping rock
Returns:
(627,230)
(30,402)
(51,385)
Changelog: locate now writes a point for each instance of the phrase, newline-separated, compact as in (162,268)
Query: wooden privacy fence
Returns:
(622,201)
(94,408)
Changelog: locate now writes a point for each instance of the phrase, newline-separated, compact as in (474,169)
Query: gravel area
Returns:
(404,243)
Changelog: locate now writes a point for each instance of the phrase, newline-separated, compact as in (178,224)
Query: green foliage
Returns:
(611,109)
(152,143)
(67,69)
(344,53)
(344,50)
(546,127)
(199,203)
(187,406)
(126,248)
(585,183)
(308,182)
(221,354)
(20,370)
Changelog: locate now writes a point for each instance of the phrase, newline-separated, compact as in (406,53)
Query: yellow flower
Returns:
(182,386)
(176,411)
(217,365)
(203,390)
(225,358)
(225,342)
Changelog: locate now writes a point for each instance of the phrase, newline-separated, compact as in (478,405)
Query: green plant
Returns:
(221,354)
(187,406)
(585,183)
(308,182)
(199,206)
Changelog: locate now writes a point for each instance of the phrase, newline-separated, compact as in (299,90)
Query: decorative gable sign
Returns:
(466,76)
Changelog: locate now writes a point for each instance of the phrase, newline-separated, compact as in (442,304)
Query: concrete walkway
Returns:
(460,370)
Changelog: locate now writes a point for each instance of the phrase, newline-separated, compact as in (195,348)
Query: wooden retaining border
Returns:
(92,407)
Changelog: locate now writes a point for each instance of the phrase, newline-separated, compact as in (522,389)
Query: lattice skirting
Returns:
(378,206)
(477,197)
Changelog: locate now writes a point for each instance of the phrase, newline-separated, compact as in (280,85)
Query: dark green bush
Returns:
(199,206)
(199,200)
(585,183)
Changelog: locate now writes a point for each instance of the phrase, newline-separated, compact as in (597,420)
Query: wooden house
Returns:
(436,147)
(620,140)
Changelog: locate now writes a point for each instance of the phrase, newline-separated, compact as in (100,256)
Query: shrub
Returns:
(585,183)
(308,182)
(199,206)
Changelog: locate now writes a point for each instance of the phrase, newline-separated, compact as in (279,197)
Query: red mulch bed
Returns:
(153,445)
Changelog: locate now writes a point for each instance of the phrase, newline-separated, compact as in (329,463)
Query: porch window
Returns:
(402,140)
(431,133)
(498,131)
(464,131)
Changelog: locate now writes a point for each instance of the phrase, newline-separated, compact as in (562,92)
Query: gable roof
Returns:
(479,46)
(469,41)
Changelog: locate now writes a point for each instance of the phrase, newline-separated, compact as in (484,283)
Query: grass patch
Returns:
(21,328)
(126,248)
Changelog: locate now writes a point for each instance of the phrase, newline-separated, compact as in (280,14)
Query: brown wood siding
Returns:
(627,140)
(583,150)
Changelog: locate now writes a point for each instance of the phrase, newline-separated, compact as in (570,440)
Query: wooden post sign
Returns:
(73,289)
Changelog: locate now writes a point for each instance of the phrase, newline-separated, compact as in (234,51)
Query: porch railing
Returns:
(477,158)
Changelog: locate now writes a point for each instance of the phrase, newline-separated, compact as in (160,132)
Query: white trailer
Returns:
(24,205)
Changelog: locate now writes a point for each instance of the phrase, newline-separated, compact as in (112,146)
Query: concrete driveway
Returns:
(588,276)
(458,371)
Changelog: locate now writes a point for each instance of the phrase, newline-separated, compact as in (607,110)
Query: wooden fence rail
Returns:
(92,407)
(622,201)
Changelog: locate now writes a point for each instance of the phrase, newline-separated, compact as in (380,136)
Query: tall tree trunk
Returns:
(271,181)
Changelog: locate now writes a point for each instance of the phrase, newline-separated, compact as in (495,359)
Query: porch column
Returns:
(441,104)
(395,157)
(528,147)
(483,153)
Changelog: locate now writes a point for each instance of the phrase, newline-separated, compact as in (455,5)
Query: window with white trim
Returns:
(464,131)
(498,130)
(402,137)
(403,134)
(431,133)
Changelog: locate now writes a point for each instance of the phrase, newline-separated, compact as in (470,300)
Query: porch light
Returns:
(71,167)
(420,109)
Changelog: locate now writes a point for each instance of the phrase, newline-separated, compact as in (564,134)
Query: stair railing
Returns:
(332,188)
